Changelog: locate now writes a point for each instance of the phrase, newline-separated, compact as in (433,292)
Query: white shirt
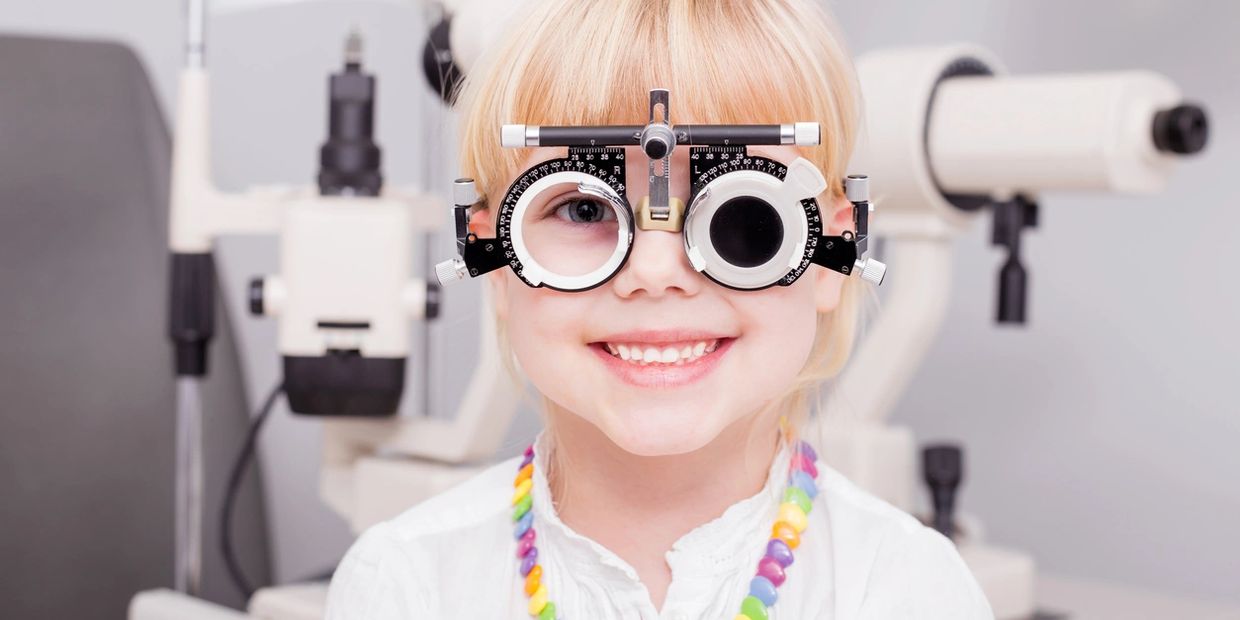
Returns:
(454,556)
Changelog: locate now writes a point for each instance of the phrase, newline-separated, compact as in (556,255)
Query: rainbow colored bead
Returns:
(771,573)
(793,519)
(525,534)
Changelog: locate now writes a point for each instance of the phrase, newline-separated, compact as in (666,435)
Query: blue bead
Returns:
(763,589)
(806,483)
(524,524)
(778,550)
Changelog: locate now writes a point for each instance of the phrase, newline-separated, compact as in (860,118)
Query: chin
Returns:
(656,431)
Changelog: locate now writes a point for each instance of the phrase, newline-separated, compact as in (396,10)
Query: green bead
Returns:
(548,612)
(752,606)
(522,507)
(797,496)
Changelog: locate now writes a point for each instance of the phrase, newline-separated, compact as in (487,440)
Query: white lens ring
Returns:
(534,272)
(783,195)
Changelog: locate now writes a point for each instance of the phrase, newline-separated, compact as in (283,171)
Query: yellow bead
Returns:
(525,474)
(538,600)
(742,617)
(521,490)
(792,514)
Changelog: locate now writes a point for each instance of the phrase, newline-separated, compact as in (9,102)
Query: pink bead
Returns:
(529,450)
(524,546)
(771,569)
(528,535)
(801,462)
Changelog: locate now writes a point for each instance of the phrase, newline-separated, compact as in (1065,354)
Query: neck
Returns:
(620,499)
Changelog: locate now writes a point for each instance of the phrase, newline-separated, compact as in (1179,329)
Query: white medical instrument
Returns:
(950,135)
(347,292)
(954,137)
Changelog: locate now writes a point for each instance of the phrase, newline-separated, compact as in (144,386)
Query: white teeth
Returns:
(668,355)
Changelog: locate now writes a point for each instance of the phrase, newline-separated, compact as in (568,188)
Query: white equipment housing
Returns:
(989,135)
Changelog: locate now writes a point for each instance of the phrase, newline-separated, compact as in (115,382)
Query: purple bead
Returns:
(524,524)
(804,448)
(769,568)
(763,589)
(525,461)
(806,483)
(530,560)
(778,550)
(524,547)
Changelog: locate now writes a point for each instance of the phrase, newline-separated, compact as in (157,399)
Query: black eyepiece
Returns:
(1182,129)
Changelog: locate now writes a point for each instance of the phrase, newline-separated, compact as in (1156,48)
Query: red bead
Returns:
(769,568)
(524,547)
(801,462)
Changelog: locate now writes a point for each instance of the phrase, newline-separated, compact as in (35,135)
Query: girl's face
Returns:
(743,347)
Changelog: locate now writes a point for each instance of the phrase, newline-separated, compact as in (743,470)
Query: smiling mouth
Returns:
(661,354)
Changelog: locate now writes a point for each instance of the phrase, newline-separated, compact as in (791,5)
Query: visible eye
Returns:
(582,210)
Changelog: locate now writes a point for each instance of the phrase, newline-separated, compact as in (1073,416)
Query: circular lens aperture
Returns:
(570,233)
(746,231)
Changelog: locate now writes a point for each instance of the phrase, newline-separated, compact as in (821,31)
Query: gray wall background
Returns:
(1101,437)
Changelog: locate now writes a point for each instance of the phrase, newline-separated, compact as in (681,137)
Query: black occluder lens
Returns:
(746,231)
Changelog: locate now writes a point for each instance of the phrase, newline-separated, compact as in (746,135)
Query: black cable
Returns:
(239,467)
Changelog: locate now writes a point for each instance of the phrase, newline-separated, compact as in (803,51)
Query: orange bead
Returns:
(521,490)
(785,532)
(533,580)
(524,474)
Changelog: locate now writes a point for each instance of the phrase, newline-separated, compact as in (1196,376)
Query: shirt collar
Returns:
(720,545)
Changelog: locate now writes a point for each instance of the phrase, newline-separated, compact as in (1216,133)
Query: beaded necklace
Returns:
(785,536)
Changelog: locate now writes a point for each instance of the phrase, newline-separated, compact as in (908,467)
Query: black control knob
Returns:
(254,295)
(943,469)
(1182,129)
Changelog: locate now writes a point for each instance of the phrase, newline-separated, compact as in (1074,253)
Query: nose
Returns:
(657,262)
(657,266)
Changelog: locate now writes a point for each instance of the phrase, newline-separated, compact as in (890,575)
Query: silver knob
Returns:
(464,193)
(857,187)
(450,270)
(872,271)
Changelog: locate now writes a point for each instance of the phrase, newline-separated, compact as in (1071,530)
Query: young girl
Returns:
(669,481)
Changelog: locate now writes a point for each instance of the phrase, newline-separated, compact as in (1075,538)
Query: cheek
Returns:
(541,324)
(782,328)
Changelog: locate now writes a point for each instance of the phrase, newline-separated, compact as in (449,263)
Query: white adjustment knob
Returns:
(872,271)
(450,270)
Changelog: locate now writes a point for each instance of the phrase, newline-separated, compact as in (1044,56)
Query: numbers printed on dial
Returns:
(579,159)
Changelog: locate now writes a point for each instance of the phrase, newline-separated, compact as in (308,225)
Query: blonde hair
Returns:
(725,61)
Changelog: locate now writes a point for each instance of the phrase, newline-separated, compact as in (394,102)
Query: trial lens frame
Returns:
(658,210)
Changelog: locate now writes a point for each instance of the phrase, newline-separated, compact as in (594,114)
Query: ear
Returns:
(838,216)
